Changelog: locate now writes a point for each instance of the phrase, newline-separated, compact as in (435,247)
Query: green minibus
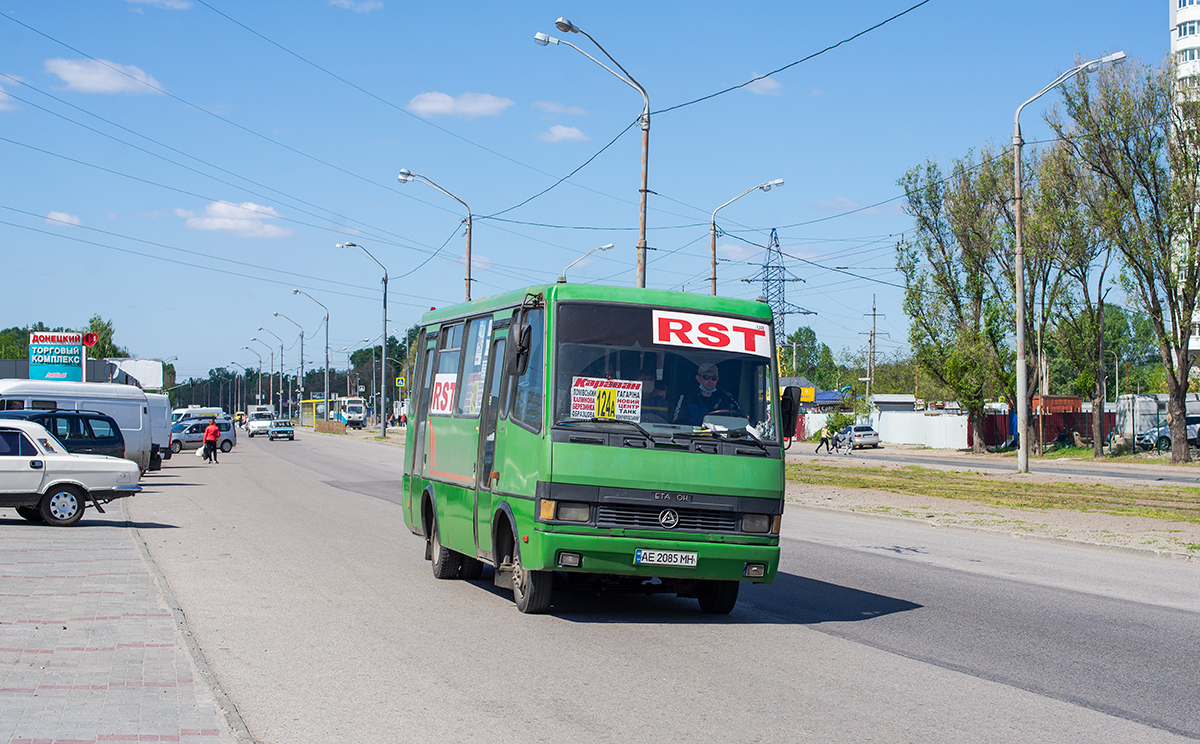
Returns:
(599,438)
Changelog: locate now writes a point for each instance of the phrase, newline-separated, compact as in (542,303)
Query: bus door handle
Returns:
(493,476)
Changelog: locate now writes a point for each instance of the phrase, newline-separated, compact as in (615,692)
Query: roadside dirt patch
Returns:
(1010,503)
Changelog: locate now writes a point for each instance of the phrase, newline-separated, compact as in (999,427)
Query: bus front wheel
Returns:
(718,597)
(531,589)
(446,562)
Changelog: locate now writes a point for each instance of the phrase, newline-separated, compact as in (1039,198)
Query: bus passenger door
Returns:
(489,444)
(420,420)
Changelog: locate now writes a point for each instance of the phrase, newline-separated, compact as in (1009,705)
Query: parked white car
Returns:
(46,483)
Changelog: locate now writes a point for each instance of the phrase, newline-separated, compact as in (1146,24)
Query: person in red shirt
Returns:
(211,436)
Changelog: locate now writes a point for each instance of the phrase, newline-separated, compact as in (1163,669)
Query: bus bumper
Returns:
(604,554)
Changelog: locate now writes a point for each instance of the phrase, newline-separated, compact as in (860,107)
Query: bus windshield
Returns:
(668,371)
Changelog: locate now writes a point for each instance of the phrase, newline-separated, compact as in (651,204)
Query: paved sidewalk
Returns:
(92,646)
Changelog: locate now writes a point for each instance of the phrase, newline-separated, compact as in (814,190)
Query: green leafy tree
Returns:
(104,348)
(1135,128)
(954,287)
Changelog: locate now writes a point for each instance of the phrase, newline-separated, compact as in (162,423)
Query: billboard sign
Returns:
(56,356)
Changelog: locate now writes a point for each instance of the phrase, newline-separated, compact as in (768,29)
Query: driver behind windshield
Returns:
(706,397)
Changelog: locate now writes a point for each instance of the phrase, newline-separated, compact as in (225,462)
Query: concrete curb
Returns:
(232,717)
(1143,552)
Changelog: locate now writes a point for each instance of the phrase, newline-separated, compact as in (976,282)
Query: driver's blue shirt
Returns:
(693,406)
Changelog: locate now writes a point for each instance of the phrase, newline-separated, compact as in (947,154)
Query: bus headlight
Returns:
(569,511)
(756,523)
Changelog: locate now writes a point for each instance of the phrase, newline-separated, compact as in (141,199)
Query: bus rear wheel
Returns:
(446,562)
(718,597)
(531,589)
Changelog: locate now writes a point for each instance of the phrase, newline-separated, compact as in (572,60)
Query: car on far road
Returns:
(259,423)
(861,435)
(44,482)
(281,429)
(189,434)
(1160,436)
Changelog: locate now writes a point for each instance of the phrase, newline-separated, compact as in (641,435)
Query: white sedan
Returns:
(46,483)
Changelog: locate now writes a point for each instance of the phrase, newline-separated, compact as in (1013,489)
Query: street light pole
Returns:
(407,176)
(563,278)
(567,27)
(258,399)
(360,249)
(1019,254)
(281,315)
(270,373)
(306,294)
(712,227)
(281,373)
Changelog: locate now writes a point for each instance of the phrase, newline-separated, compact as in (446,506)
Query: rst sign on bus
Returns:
(56,356)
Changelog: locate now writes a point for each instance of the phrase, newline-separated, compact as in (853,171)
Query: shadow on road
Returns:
(790,600)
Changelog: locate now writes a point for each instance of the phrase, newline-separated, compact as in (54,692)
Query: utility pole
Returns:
(871,345)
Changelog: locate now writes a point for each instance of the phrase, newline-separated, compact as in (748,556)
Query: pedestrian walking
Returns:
(211,436)
(826,436)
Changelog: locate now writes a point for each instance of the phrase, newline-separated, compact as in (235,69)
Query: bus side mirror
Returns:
(517,360)
(789,408)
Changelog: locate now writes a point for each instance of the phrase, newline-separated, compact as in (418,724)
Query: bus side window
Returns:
(445,378)
(527,393)
(478,344)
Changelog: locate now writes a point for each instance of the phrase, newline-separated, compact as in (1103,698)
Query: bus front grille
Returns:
(633,516)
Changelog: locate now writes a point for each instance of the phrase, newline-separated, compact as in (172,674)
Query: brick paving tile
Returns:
(89,649)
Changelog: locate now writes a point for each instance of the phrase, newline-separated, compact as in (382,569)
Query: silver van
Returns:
(127,405)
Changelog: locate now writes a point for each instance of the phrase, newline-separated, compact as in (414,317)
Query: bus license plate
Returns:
(644,557)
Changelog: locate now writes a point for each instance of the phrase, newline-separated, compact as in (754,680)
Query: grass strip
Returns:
(1176,503)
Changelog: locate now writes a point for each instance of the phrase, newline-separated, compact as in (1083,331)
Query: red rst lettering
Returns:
(714,335)
(677,326)
(749,335)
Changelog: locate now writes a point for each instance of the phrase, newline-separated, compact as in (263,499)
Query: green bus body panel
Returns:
(666,470)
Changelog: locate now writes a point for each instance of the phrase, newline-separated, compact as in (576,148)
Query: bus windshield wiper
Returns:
(597,420)
(745,432)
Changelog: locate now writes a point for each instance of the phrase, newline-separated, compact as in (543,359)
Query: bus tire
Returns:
(531,589)
(62,506)
(29,513)
(446,562)
(471,568)
(718,597)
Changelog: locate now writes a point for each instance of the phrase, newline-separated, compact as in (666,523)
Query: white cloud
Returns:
(363,6)
(737,252)
(6,103)
(168,4)
(102,76)
(840,203)
(765,87)
(550,108)
(559,133)
(466,106)
(63,218)
(819,92)
(246,220)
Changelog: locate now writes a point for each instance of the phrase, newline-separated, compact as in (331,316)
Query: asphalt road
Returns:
(323,623)
(1141,472)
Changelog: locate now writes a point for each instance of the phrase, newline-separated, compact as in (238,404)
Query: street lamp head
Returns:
(295,291)
(542,39)
(1115,58)
(562,24)
(405,175)
(276,314)
(341,245)
(767,186)
(605,247)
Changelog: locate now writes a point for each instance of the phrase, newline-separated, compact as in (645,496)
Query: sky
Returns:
(180,166)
